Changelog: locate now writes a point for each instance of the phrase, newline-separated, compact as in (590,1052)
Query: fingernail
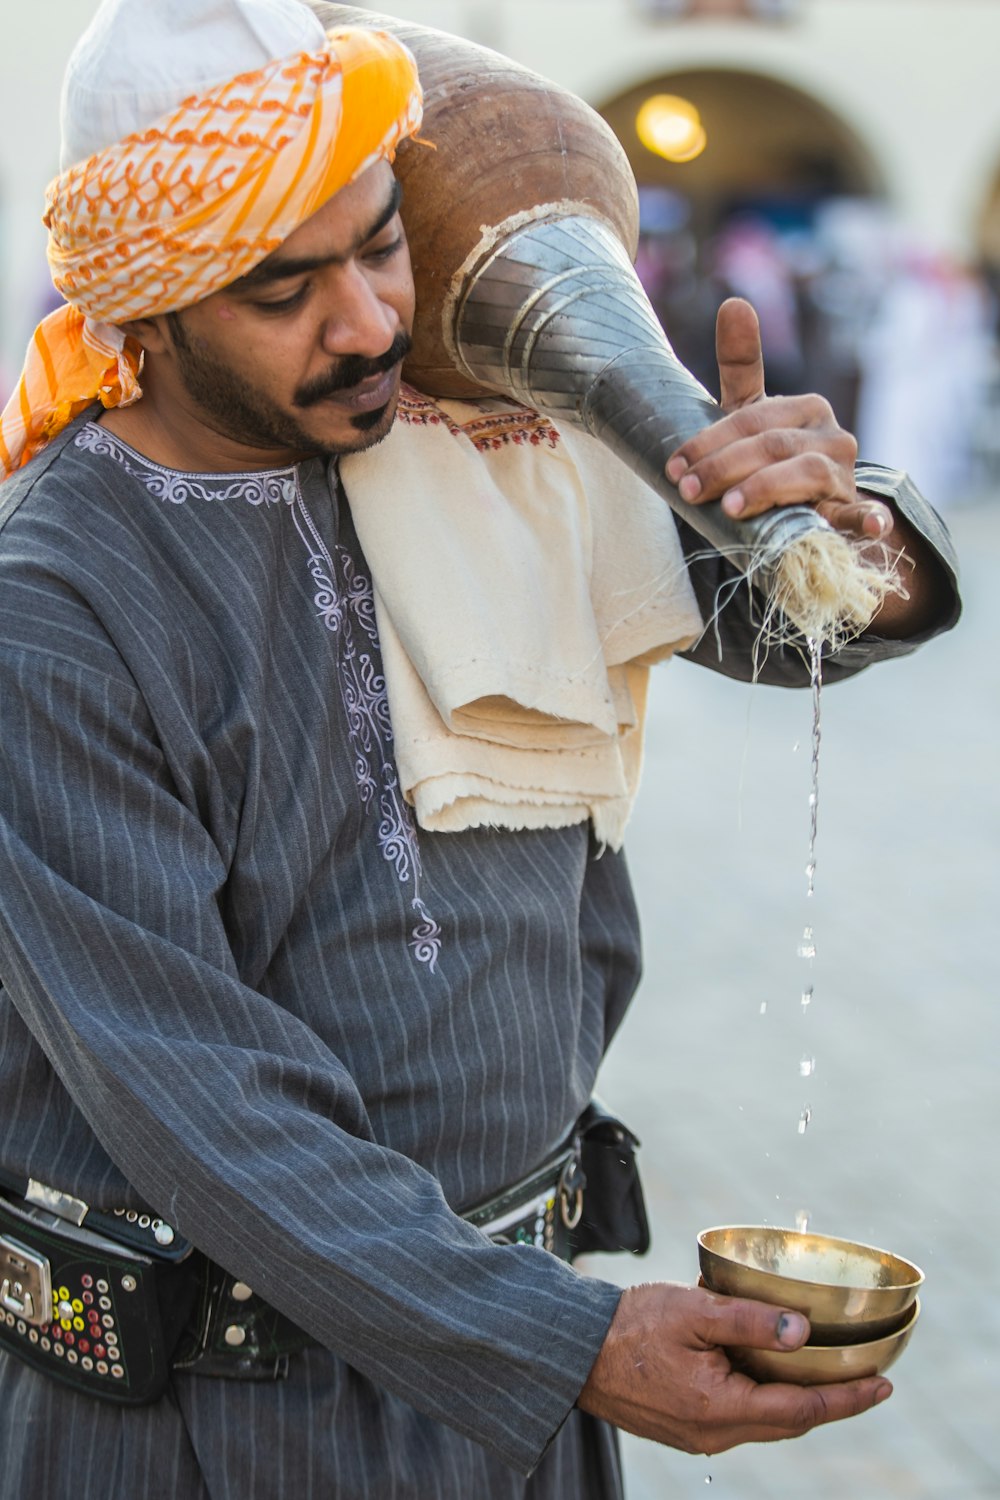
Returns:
(733,503)
(690,487)
(880,520)
(883,1394)
(675,468)
(791,1329)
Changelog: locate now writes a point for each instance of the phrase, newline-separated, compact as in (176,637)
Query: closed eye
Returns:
(285,304)
(386,252)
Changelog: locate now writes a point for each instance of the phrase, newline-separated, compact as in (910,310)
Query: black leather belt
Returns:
(236,1335)
(111,1301)
(140,1231)
(542,1209)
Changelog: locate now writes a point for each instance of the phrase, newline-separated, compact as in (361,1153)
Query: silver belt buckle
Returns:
(25,1283)
(571,1185)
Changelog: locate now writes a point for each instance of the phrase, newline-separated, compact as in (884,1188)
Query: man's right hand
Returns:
(663,1373)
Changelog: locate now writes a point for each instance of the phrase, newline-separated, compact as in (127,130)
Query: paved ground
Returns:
(904,1026)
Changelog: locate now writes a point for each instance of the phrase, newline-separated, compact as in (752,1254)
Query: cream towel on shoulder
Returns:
(524,582)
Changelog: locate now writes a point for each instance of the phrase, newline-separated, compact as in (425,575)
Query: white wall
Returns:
(915,79)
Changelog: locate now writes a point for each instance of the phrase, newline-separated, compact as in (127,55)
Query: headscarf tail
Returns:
(70,363)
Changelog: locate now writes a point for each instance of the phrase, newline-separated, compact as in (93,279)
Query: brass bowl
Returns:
(816,1364)
(849,1292)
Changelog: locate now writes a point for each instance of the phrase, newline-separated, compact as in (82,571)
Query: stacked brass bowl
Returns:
(861,1302)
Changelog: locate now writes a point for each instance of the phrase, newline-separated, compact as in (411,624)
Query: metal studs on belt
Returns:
(235,1335)
(240,1292)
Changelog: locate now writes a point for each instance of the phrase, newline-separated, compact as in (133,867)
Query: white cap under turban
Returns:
(139,59)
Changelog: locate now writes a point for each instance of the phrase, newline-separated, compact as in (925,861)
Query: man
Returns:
(247,1001)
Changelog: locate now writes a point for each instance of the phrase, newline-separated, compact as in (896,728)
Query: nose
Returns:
(358,321)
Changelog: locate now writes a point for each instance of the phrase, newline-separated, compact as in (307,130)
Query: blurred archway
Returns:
(779,199)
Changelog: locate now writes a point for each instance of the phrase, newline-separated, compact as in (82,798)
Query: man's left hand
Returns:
(771,450)
(768,451)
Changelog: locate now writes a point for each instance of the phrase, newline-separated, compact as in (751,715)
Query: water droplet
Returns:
(807,1067)
(804,1119)
(813,799)
(763,1007)
(795,748)
(807,997)
(802,1220)
(807,948)
(708,1479)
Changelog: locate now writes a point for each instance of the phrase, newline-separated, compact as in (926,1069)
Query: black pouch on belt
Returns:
(235,1335)
(613,1208)
(86,1309)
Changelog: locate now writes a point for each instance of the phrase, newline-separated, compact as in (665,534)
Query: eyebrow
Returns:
(278,267)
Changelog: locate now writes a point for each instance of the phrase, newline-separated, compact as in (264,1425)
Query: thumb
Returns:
(738,1321)
(739,354)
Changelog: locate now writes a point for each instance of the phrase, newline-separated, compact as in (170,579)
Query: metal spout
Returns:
(556,317)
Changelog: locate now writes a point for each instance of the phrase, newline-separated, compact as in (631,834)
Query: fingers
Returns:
(864,518)
(785,467)
(764,419)
(795,1409)
(739,355)
(789,1411)
(742,1322)
(780,451)
(808,478)
(770,1412)
(664,1372)
(778,1411)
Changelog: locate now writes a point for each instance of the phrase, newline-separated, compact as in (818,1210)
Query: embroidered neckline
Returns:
(259,487)
(344,599)
(126,450)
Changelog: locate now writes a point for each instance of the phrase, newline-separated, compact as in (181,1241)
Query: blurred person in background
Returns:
(925,368)
(750,260)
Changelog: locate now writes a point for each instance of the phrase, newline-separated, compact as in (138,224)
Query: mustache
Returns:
(351,371)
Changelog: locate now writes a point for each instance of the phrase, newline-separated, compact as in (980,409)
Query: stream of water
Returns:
(807,946)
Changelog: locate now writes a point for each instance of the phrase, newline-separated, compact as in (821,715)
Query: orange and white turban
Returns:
(194,198)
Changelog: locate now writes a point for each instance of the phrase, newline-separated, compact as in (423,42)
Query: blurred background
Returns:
(838,163)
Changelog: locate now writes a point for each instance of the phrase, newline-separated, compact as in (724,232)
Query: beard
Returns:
(238,410)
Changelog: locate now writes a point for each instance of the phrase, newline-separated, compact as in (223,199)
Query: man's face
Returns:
(303,354)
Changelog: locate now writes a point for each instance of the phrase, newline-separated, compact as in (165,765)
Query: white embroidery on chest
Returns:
(345,604)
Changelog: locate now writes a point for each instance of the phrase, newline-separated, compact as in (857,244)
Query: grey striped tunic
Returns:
(240,991)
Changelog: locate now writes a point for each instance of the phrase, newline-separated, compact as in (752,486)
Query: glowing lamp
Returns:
(671,127)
